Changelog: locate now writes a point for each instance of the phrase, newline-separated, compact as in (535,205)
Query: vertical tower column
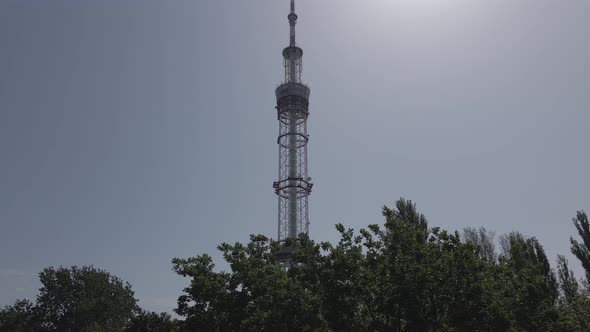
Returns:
(294,185)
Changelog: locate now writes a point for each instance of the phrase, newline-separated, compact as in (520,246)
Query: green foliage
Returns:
(483,241)
(256,296)
(403,276)
(146,321)
(582,249)
(82,298)
(574,302)
(525,288)
(17,318)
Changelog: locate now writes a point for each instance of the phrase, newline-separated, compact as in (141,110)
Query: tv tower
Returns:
(294,185)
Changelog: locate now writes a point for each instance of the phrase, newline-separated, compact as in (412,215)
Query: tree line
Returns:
(403,275)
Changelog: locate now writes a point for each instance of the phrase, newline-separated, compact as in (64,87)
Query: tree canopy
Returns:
(582,249)
(83,299)
(402,276)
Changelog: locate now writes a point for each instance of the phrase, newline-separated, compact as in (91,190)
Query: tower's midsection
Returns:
(294,185)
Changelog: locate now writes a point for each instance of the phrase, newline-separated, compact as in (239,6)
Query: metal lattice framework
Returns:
(294,184)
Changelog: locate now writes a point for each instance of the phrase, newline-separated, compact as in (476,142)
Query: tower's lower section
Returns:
(294,185)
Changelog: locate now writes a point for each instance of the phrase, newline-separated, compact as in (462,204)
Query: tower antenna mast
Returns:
(294,184)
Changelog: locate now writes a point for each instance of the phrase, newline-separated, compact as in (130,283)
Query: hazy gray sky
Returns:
(135,131)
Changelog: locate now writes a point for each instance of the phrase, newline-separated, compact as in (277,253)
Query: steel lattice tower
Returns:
(294,185)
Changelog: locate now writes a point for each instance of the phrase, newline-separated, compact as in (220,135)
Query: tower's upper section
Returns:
(292,54)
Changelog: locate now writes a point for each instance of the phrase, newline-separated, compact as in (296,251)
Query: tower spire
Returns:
(292,22)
